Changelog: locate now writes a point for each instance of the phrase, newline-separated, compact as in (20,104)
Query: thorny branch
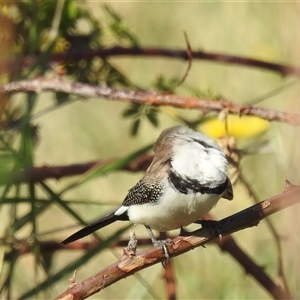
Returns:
(228,245)
(129,265)
(56,84)
(176,53)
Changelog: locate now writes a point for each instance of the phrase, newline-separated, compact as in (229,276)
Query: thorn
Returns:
(73,279)
(165,250)
(130,250)
(287,183)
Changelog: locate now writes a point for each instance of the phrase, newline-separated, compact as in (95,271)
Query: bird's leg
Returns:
(160,243)
(211,224)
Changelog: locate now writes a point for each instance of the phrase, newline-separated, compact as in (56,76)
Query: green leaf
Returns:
(163,84)
(152,117)
(129,112)
(71,10)
(119,27)
(135,127)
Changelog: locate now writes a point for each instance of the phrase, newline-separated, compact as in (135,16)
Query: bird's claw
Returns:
(164,249)
(162,245)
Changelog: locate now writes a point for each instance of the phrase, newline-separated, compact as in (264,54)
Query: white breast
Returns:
(173,211)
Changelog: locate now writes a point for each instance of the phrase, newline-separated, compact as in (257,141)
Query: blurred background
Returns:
(55,129)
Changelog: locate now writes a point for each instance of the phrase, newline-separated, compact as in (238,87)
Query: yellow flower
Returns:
(243,127)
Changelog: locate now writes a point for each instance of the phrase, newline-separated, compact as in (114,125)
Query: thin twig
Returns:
(39,85)
(169,277)
(179,54)
(189,66)
(228,244)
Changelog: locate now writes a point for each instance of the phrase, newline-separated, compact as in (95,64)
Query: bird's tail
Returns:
(95,226)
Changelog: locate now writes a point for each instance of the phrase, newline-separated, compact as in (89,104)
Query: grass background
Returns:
(92,129)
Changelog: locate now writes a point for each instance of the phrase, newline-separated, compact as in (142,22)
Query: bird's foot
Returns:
(212,224)
(163,247)
(160,243)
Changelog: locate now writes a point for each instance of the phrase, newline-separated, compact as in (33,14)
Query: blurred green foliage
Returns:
(44,28)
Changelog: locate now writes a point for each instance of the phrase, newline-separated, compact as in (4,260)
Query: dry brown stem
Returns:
(169,277)
(56,84)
